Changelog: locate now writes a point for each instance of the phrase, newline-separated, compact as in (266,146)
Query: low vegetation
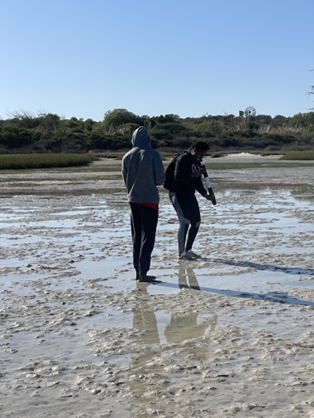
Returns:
(26,161)
(43,133)
(298,155)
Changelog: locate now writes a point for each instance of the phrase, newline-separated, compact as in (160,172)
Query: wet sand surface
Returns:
(228,334)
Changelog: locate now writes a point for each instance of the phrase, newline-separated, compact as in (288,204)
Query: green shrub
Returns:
(117,117)
(27,161)
(160,134)
(13,137)
(298,155)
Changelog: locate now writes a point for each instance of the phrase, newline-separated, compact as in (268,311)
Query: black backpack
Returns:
(170,183)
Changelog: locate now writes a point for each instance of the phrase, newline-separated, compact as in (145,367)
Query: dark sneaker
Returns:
(146,278)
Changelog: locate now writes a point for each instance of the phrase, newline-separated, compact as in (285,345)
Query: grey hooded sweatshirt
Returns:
(142,169)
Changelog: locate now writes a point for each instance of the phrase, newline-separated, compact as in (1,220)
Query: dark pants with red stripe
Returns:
(143,225)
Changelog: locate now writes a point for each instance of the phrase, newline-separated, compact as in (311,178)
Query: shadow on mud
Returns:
(188,280)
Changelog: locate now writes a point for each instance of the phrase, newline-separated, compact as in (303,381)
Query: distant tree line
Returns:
(47,132)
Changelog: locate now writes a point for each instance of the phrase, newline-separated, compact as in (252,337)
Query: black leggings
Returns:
(189,220)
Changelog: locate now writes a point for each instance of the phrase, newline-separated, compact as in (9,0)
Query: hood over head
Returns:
(141,138)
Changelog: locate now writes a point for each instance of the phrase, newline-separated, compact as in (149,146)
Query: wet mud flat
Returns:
(229,334)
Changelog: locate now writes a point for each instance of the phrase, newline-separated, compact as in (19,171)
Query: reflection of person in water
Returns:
(145,348)
(145,319)
(186,327)
(188,273)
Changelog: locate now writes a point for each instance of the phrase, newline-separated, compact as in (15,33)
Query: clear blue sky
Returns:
(84,57)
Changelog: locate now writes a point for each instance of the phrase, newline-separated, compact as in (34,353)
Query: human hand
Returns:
(198,173)
(211,197)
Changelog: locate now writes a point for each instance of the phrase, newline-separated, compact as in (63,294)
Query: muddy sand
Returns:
(230,334)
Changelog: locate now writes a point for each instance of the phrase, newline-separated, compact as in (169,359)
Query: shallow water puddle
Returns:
(102,238)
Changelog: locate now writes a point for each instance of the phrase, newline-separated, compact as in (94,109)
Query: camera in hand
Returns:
(209,186)
(211,193)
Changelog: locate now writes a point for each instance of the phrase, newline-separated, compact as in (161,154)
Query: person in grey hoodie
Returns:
(142,171)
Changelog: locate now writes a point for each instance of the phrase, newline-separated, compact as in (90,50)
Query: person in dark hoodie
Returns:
(142,171)
(187,175)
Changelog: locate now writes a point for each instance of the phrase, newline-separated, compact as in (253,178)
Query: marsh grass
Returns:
(298,155)
(215,164)
(26,161)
